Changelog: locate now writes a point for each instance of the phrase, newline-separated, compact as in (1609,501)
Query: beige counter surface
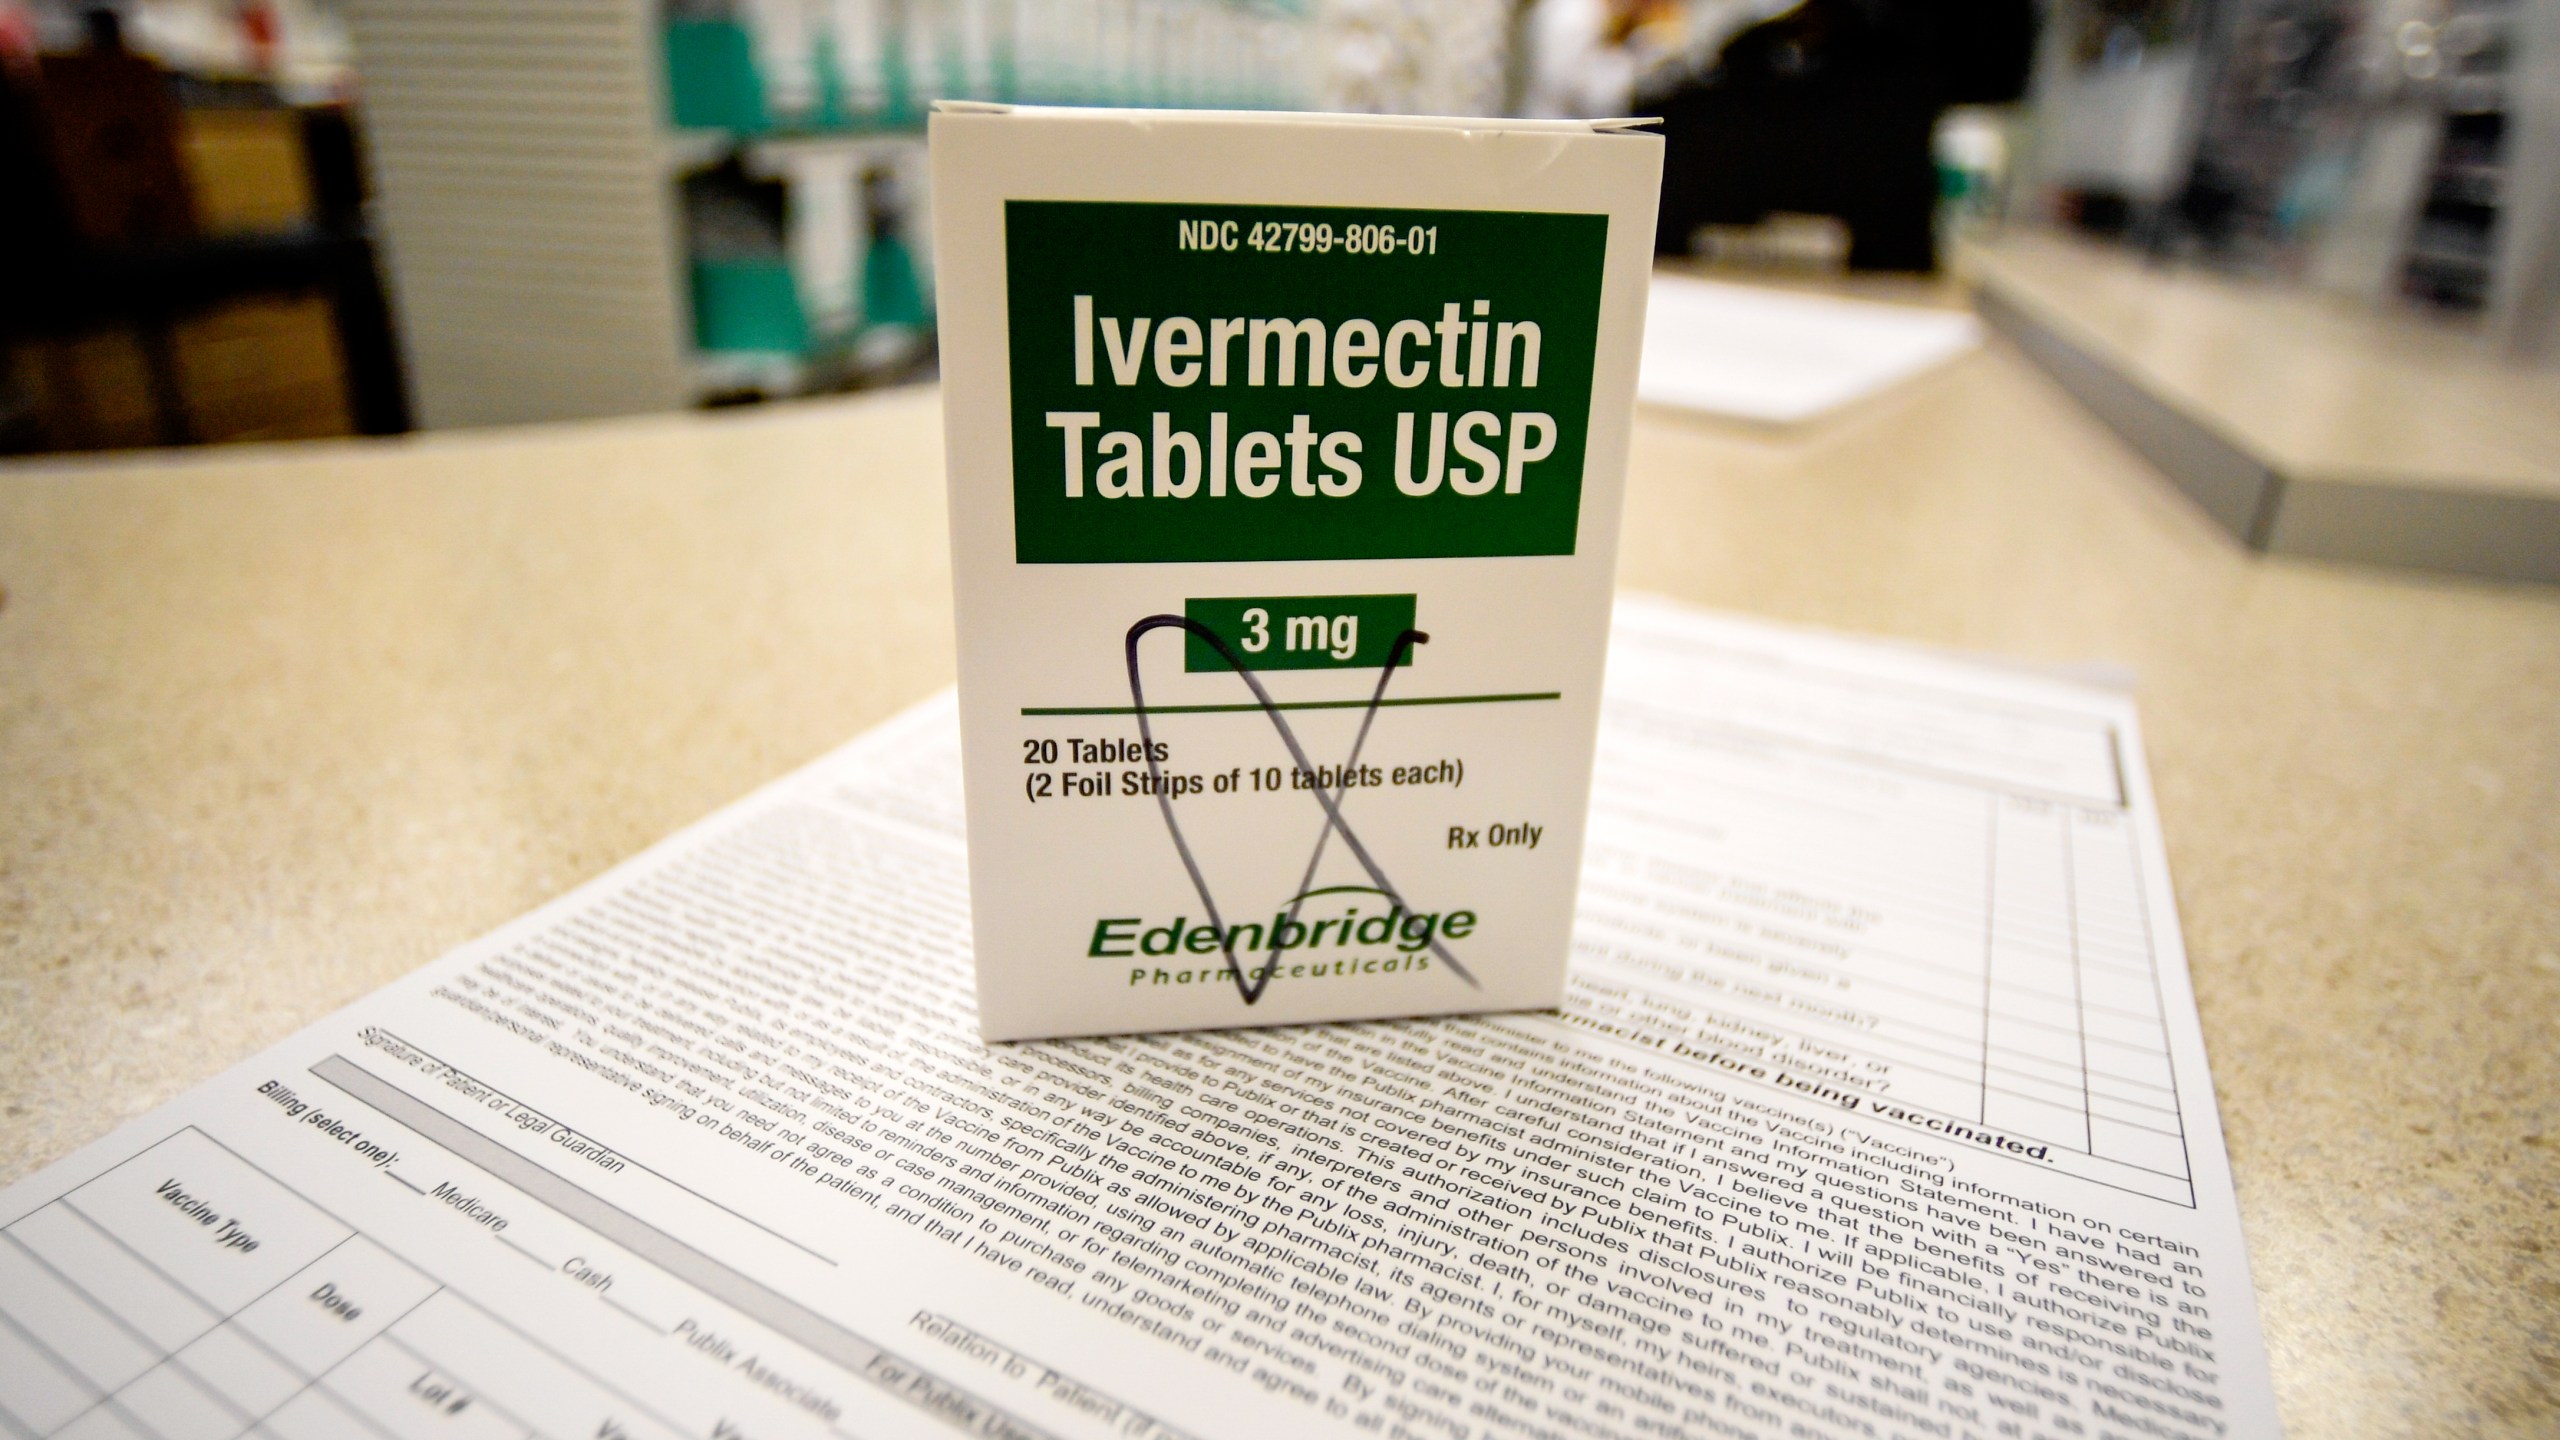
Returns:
(279,725)
(2316,386)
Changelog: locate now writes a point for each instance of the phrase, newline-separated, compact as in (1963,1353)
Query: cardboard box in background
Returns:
(253,367)
(248,169)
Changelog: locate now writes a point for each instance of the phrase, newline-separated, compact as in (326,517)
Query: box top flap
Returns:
(1478,123)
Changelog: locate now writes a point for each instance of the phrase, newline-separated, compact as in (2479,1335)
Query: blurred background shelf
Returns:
(599,207)
(602,207)
(2312,266)
(2404,154)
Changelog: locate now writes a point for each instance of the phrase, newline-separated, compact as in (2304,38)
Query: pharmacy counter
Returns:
(278,725)
(2305,424)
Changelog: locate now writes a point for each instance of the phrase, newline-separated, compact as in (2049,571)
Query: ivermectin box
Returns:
(1286,454)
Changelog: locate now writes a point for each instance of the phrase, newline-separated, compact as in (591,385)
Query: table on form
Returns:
(1958,927)
(188,1295)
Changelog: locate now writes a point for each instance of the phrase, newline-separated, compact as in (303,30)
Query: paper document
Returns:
(1776,357)
(1878,1108)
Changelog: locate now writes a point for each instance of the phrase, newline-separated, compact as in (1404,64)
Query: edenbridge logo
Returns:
(1326,945)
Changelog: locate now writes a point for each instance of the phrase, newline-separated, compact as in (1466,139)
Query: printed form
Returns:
(1879,1108)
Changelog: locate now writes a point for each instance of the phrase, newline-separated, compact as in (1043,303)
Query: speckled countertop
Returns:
(279,725)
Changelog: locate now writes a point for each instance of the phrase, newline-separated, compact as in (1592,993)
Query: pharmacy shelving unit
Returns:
(530,174)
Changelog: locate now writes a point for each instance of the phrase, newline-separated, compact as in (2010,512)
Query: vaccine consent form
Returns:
(1877,1106)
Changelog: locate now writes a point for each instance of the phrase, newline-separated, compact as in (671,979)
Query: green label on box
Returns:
(1300,632)
(1260,382)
